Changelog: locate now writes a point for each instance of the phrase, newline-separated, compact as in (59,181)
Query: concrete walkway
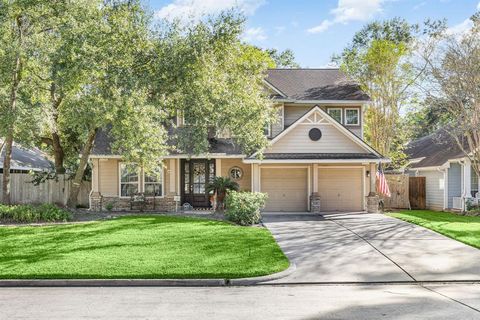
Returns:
(368,248)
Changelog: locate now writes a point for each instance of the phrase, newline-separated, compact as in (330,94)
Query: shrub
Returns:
(110,205)
(30,213)
(244,207)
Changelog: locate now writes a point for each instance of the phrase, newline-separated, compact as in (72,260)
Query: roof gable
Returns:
(335,137)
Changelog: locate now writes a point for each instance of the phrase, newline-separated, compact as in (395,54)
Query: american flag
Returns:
(382,185)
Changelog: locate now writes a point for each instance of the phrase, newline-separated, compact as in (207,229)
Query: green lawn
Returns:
(139,247)
(462,228)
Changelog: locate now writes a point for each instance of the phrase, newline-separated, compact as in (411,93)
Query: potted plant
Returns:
(220,186)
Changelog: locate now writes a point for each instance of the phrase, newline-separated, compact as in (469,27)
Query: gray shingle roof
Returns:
(315,84)
(437,149)
(26,159)
(103,142)
(318,156)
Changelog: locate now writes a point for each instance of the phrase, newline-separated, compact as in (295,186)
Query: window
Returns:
(474,183)
(153,185)
(128,180)
(352,117)
(267,129)
(235,173)
(335,113)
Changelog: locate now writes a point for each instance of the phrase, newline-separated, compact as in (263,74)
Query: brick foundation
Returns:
(100,203)
(315,203)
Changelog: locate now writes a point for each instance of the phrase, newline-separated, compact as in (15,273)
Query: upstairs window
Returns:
(267,129)
(335,113)
(128,180)
(352,117)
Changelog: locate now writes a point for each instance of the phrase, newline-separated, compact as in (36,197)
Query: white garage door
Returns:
(340,189)
(286,187)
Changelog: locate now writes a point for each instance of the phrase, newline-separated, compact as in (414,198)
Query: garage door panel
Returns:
(340,189)
(286,188)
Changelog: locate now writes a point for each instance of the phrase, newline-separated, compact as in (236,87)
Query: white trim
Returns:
(445,188)
(204,156)
(317,161)
(333,102)
(358,117)
(269,130)
(273,88)
(336,108)
(364,187)
(339,126)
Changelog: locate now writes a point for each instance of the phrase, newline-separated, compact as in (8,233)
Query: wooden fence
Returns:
(399,188)
(51,191)
(417,193)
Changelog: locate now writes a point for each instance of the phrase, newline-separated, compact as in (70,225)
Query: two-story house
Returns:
(316,154)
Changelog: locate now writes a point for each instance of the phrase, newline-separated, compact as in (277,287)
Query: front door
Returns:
(196,175)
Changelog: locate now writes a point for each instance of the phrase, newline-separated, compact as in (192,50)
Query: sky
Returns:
(317,29)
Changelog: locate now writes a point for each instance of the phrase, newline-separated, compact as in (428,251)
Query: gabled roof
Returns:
(433,150)
(314,85)
(26,158)
(373,154)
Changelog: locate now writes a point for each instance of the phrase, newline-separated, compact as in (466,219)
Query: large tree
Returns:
(21,25)
(453,86)
(379,60)
(215,82)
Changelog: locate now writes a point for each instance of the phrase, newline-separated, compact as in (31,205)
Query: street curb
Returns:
(113,283)
(145,282)
(262,279)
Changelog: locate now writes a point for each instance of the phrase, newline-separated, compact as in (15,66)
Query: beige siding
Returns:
(294,112)
(246,181)
(340,189)
(332,141)
(287,188)
(435,189)
(108,177)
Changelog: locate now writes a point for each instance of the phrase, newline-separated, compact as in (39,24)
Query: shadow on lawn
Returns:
(195,239)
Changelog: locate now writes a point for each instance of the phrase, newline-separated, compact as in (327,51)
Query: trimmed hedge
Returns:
(30,213)
(244,207)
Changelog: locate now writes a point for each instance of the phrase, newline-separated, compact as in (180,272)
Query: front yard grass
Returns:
(141,247)
(462,228)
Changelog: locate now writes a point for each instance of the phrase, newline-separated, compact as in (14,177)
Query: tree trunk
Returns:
(6,169)
(16,78)
(75,189)
(58,154)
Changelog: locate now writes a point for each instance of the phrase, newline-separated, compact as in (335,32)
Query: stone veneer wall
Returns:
(98,203)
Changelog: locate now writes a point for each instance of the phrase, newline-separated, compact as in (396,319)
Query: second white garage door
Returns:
(340,189)
(286,187)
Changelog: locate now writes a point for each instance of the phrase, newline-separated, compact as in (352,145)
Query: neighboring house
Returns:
(450,180)
(316,152)
(25,160)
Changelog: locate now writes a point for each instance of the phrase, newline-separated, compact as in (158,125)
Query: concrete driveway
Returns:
(359,247)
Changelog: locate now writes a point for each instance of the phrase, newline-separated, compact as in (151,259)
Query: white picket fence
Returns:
(22,191)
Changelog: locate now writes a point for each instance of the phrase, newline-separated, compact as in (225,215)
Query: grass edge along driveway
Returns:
(465,229)
(139,247)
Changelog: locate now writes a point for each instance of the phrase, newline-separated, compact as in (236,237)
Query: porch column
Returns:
(218,167)
(315,201)
(171,176)
(95,198)
(372,199)
(467,178)
(95,175)
(255,177)
(373,179)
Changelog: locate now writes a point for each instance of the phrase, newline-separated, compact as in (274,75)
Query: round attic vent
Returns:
(315,134)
